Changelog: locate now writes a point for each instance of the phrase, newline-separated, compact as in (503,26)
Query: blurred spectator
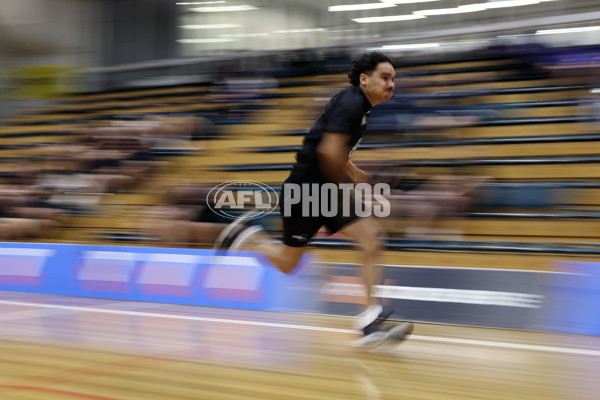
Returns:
(401,116)
(578,65)
(579,62)
(416,207)
(237,86)
(188,219)
(24,211)
(525,51)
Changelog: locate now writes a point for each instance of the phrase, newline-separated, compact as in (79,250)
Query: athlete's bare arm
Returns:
(333,151)
(356,174)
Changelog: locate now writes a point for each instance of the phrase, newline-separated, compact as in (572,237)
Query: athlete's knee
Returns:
(288,263)
(373,244)
(287,267)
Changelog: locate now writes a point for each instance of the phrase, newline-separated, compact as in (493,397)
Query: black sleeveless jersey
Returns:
(347,112)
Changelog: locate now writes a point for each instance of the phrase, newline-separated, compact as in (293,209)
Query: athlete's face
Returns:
(378,86)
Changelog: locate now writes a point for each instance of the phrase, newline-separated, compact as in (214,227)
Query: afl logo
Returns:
(229,199)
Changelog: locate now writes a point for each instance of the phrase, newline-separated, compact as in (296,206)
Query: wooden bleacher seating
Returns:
(541,134)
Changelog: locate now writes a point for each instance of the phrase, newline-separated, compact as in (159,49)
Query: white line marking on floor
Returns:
(506,345)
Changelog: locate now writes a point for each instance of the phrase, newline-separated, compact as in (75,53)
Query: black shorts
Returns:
(298,227)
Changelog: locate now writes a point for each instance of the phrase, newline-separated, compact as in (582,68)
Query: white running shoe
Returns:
(394,335)
(244,237)
(231,231)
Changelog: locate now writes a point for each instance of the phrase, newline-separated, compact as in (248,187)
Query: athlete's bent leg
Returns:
(284,257)
(367,233)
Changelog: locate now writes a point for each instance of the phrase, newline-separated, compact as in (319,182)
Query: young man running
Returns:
(325,159)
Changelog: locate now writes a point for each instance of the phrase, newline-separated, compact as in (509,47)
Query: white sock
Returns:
(366,317)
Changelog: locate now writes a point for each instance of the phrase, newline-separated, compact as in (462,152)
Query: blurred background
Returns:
(119,116)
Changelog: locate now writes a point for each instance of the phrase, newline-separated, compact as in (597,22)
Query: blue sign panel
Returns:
(573,298)
(202,277)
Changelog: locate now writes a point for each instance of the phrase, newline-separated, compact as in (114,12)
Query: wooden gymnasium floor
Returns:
(55,347)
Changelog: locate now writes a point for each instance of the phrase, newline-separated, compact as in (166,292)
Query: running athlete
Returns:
(325,158)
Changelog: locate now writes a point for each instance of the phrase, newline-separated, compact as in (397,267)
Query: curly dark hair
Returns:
(365,64)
